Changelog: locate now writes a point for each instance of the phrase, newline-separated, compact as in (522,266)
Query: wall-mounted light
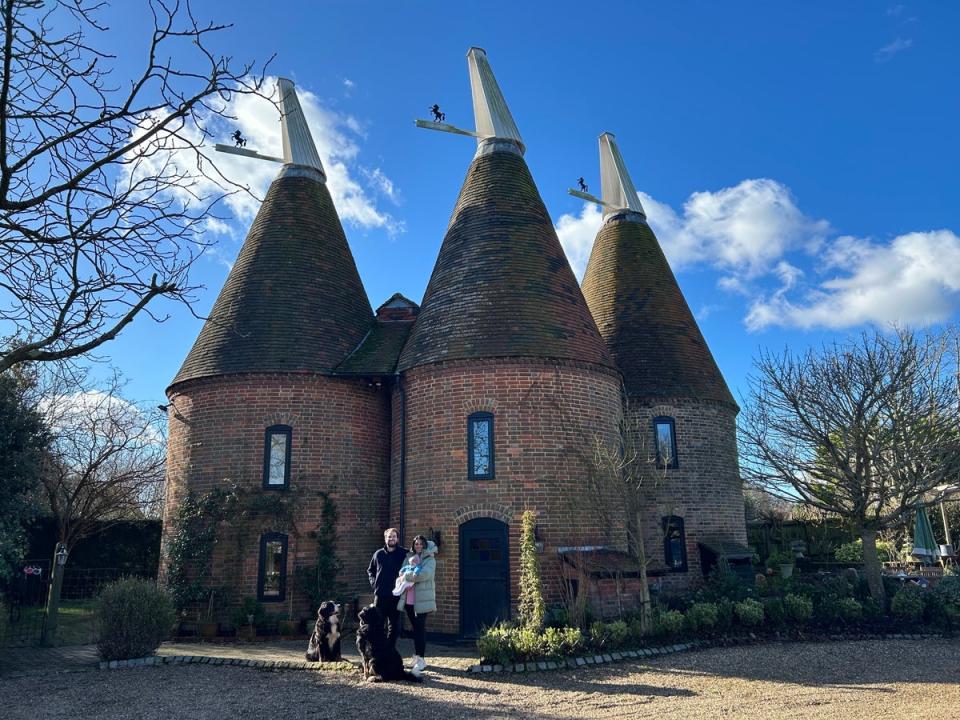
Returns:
(435,536)
(537,540)
(61,554)
(176,413)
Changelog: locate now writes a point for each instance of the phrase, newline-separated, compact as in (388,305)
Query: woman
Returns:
(421,598)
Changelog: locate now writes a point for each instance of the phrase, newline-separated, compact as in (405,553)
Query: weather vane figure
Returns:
(437,115)
(582,184)
(239,139)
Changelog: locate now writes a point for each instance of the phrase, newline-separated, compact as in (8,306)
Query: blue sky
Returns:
(800,163)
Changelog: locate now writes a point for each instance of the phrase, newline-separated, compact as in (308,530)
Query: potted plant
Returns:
(289,626)
(783,560)
(248,616)
(207,626)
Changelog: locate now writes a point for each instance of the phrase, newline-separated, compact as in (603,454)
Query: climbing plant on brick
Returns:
(322,581)
(531,608)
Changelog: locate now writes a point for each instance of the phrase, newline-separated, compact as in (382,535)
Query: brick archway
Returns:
(503,513)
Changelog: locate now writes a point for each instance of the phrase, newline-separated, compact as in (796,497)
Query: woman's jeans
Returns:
(419,623)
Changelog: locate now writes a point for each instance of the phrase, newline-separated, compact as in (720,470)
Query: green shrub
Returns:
(563,642)
(635,634)
(749,612)
(249,607)
(798,609)
(504,644)
(872,612)
(850,610)
(495,645)
(853,552)
(722,584)
(775,611)
(827,611)
(725,615)
(907,604)
(670,623)
(701,617)
(134,616)
(948,590)
(609,636)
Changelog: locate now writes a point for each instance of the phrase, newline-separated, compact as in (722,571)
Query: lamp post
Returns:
(49,636)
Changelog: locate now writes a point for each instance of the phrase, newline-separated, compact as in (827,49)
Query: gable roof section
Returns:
(644,318)
(502,286)
(293,301)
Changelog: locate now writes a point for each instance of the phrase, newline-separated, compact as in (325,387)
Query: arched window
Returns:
(272,574)
(480,453)
(674,544)
(276,457)
(665,442)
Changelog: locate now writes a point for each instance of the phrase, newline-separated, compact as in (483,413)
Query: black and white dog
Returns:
(381,661)
(325,641)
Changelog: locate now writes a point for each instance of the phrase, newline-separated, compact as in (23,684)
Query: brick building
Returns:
(452,418)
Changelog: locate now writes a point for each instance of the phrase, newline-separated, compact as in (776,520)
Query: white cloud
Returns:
(258,120)
(379,181)
(748,232)
(348,83)
(577,234)
(888,51)
(743,230)
(914,280)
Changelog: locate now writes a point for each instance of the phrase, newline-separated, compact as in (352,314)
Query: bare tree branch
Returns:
(99,213)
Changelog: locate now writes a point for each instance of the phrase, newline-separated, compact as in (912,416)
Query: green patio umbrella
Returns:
(924,546)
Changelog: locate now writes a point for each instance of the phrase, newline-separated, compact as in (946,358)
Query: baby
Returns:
(412,566)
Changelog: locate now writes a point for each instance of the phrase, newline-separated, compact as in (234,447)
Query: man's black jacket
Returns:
(384,568)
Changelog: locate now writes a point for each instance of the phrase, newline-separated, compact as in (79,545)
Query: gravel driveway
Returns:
(848,680)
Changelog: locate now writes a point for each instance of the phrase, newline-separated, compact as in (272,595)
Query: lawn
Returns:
(76,626)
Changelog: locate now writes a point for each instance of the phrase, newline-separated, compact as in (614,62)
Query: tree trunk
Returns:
(49,637)
(871,566)
(646,614)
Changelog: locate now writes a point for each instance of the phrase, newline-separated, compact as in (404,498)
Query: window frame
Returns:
(472,419)
(667,522)
(267,435)
(674,461)
(265,539)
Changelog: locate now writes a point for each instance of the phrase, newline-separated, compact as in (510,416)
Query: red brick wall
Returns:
(545,416)
(340,445)
(705,489)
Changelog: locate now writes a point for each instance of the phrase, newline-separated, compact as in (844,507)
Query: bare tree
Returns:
(863,429)
(621,473)
(105,465)
(99,212)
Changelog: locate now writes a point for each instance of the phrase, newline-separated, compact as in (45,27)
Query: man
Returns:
(383,571)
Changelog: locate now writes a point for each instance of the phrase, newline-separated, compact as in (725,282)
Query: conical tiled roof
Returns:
(502,286)
(644,318)
(293,301)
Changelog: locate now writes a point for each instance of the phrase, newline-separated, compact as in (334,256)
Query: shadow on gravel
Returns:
(869,665)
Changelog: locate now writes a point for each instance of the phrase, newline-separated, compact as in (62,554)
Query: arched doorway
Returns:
(484,575)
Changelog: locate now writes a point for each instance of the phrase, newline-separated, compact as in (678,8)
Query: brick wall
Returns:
(705,489)
(545,416)
(340,445)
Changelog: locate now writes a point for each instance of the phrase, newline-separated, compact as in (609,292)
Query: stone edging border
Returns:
(211,660)
(614,657)
(535,666)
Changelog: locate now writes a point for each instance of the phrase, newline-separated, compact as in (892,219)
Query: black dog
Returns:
(325,641)
(381,661)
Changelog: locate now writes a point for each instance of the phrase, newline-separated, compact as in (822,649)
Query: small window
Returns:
(480,446)
(665,439)
(272,576)
(674,544)
(276,457)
